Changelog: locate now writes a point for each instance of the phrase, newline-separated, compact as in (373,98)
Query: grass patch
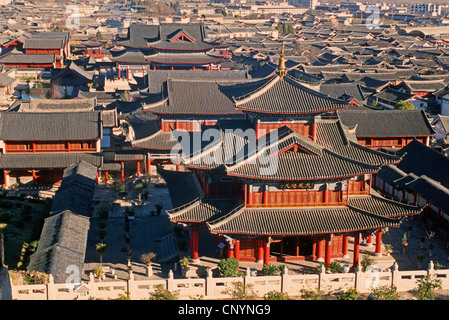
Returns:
(21,224)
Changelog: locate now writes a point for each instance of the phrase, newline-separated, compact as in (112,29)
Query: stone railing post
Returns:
(130,284)
(170,282)
(396,275)
(91,285)
(209,282)
(51,290)
(322,278)
(431,269)
(285,280)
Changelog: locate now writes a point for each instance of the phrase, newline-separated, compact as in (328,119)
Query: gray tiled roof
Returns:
(204,210)
(63,238)
(195,97)
(62,243)
(335,156)
(46,160)
(50,126)
(298,221)
(11,58)
(287,96)
(387,123)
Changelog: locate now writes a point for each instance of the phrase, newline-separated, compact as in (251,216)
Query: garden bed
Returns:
(21,223)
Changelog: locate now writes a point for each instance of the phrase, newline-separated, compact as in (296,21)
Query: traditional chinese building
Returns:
(170,46)
(36,147)
(301,193)
(183,95)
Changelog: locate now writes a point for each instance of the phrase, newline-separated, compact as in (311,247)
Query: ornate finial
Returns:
(282,70)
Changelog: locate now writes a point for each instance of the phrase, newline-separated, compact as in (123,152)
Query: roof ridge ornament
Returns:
(282,70)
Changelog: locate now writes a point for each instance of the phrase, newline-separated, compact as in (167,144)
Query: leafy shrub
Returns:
(385,293)
(229,267)
(311,294)
(276,295)
(351,294)
(160,293)
(335,267)
(270,269)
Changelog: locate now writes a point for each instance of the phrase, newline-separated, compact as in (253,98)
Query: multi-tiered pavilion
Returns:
(302,193)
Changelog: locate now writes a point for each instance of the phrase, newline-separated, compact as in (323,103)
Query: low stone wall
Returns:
(213,288)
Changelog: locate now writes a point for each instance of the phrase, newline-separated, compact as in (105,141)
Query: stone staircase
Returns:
(167,248)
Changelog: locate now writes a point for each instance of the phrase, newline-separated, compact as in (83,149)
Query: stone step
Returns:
(167,248)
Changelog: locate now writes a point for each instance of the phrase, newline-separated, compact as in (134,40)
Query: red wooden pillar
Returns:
(119,72)
(356,250)
(122,172)
(148,164)
(378,242)
(370,239)
(106,178)
(266,257)
(33,172)
(127,73)
(260,250)
(97,178)
(195,238)
(138,168)
(328,251)
(5,177)
(345,246)
(230,249)
(319,254)
(237,249)
(314,132)
(265,195)
(250,195)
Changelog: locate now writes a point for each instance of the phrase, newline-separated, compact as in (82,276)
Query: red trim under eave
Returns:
(386,137)
(297,234)
(186,63)
(193,114)
(149,148)
(327,178)
(259,111)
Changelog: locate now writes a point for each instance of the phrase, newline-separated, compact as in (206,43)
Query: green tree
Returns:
(229,267)
(311,294)
(351,294)
(101,249)
(404,105)
(426,287)
(160,293)
(275,295)
(385,293)
(240,291)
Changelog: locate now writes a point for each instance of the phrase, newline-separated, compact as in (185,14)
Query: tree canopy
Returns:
(404,105)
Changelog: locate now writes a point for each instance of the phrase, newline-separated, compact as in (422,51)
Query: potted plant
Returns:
(185,269)
(420,258)
(101,249)
(98,272)
(147,258)
(404,242)
(388,249)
